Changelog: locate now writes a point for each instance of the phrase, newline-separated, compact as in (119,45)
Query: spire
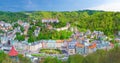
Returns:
(13,52)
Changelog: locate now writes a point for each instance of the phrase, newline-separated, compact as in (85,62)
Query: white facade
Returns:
(35,47)
(50,20)
(71,51)
(4,40)
(63,28)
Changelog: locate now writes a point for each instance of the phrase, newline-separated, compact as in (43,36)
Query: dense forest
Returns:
(107,22)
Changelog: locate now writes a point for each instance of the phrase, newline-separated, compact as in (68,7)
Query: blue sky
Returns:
(59,5)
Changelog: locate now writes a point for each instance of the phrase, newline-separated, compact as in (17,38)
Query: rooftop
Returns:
(13,52)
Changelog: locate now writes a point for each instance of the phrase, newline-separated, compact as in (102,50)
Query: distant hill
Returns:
(12,16)
(90,12)
(108,22)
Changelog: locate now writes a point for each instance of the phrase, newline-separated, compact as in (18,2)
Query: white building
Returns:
(50,20)
(63,28)
(34,47)
(36,32)
(4,40)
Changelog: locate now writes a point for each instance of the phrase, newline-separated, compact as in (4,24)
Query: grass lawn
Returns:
(51,51)
(39,55)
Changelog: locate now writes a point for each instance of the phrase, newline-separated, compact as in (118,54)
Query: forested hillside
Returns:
(93,20)
(87,19)
(12,16)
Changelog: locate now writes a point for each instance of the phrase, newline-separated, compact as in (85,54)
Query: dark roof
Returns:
(64,52)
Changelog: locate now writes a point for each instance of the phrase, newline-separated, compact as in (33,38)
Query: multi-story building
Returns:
(71,47)
(50,20)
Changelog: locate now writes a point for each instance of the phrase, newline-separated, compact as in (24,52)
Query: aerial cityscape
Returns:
(47,32)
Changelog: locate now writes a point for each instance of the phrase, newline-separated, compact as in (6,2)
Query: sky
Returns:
(59,5)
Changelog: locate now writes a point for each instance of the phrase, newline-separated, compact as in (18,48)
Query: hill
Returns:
(107,22)
(12,16)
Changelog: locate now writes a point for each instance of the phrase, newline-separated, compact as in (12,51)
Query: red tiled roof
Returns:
(79,45)
(59,41)
(92,46)
(13,52)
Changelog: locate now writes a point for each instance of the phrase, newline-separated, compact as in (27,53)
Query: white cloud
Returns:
(111,5)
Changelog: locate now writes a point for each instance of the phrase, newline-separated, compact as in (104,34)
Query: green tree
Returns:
(54,60)
(31,39)
(75,59)
(22,28)
(20,37)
